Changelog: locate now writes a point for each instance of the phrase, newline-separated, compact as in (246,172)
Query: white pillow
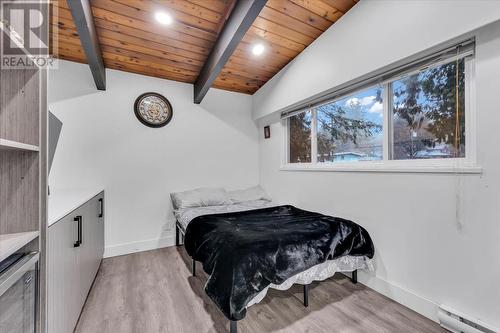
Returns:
(200,197)
(249,194)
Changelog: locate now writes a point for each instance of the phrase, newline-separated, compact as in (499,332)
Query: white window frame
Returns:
(466,165)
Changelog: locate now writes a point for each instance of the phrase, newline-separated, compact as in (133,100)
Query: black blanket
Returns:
(244,252)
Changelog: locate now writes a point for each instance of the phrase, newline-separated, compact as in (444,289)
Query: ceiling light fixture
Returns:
(258,49)
(163,18)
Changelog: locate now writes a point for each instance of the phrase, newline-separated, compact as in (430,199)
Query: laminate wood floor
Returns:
(154,291)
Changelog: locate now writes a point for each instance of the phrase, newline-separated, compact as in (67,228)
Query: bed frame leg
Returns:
(306,296)
(194,267)
(177,236)
(233,326)
(354,277)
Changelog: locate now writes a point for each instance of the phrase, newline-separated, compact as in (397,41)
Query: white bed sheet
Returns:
(186,215)
(319,272)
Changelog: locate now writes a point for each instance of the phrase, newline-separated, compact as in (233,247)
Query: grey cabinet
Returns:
(73,258)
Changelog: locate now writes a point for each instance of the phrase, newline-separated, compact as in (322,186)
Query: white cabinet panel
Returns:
(72,269)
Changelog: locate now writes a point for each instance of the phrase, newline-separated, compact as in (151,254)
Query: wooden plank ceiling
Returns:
(131,40)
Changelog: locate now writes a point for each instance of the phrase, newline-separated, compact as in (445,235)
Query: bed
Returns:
(248,244)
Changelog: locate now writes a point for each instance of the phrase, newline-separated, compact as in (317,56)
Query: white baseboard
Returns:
(408,298)
(139,246)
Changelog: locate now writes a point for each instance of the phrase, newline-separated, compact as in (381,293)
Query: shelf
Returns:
(14,145)
(14,37)
(10,243)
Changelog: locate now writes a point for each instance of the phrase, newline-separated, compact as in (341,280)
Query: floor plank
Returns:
(154,292)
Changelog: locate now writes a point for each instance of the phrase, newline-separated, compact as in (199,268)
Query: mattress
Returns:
(318,272)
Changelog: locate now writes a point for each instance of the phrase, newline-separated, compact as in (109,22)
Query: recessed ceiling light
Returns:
(163,18)
(258,49)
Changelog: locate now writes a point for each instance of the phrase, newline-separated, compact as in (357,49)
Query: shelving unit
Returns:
(23,165)
(14,145)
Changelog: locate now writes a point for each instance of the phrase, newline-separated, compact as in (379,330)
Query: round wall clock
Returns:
(153,109)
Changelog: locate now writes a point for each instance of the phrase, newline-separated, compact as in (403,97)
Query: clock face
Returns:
(153,110)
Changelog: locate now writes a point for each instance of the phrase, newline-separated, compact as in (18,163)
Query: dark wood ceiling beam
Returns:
(243,15)
(84,21)
(131,40)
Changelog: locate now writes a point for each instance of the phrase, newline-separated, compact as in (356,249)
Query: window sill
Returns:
(384,168)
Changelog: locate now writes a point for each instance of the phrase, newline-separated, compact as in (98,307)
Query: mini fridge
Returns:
(18,293)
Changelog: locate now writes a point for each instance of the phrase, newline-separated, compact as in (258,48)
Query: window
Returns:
(350,129)
(428,113)
(417,113)
(300,138)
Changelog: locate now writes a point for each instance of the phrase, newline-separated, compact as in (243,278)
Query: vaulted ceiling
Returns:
(132,40)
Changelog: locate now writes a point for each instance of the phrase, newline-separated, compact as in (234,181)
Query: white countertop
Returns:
(64,201)
(10,243)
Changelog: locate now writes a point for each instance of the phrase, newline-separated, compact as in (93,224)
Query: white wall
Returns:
(425,256)
(375,33)
(103,144)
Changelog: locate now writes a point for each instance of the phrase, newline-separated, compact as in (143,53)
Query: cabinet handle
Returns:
(101,208)
(79,220)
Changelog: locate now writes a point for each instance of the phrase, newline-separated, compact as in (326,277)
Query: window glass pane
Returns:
(428,113)
(350,129)
(300,138)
